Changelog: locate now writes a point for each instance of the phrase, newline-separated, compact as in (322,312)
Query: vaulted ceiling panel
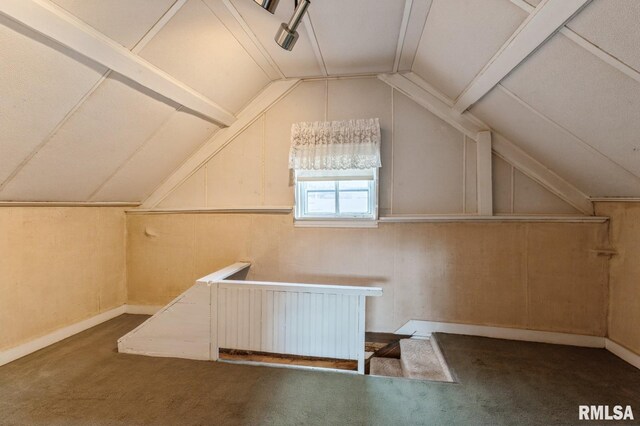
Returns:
(460,37)
(196,48)
(357,36)
(125,21)
(301,62)
(40,83)
(586,96)
(573,160)
(612,26)
(102,134)
(179,137)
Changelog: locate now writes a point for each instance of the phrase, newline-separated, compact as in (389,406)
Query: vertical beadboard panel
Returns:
(290,322)
(255,319)
(244,301)
(279,326)
(306,321)
(267,321)
(232,318)
(222,317)
(315,324)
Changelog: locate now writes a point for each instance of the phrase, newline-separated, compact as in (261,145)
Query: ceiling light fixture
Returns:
(287,35)
(268,5)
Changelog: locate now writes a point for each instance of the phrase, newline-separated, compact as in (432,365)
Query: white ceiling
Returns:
(72,131)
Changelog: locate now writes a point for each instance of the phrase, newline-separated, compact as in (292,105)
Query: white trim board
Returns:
(32,346)
(622,352)
(426,328)
(212,210)
(419,328)
(494,218)
(615,199)
(68,204)
(42,342)
(142,309)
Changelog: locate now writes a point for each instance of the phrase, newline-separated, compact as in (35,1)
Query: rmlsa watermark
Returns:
(605,412)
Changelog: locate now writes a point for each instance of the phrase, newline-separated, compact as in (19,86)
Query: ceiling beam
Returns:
(546,19)
(432,103)
(540,173)
(417,18)
(60,26)
(403,33)
(471,126)
(484,173)
(258,106)
(137,48)
(588,46)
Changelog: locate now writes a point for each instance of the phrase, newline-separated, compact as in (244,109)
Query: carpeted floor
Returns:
(84,381)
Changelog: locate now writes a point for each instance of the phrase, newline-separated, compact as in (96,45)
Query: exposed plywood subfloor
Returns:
(290,360)
(384,345)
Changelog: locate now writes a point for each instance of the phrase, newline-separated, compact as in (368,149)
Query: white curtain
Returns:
(335,145)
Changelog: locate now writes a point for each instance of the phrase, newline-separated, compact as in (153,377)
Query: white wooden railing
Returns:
(313,320)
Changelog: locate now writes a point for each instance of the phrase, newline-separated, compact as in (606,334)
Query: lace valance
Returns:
(335,145)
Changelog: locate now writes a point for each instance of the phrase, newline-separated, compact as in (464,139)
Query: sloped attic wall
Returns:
(535,276)
(428,166)
(570,105)
(74,131)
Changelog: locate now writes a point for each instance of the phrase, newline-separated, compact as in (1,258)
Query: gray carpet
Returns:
(84,381)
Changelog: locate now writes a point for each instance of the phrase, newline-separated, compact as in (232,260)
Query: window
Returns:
(336,194)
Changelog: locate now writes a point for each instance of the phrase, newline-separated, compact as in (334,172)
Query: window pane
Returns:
(325,185)
(341,195)
(354,184)
(354,201)
(321,202)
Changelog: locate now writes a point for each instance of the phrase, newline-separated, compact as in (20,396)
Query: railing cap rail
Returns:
(223,273)
(304,288)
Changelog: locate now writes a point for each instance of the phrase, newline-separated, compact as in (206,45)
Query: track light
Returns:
(287,35)
(268,5)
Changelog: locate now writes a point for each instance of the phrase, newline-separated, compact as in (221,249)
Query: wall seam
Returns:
(464,173)
(393,144)
(526,277)
(263,160)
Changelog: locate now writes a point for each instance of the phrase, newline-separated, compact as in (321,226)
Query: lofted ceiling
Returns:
(73,130)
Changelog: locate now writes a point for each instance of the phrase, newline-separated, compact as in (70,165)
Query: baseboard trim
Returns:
(623,353)
(143,309)
(413,327)
(426,328)
(32,346)
(24,349)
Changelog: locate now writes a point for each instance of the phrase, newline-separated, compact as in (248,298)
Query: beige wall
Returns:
(428,167)
(624,270)
(535,276)
(58,266)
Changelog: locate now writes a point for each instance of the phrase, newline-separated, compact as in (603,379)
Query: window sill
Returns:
(335,223)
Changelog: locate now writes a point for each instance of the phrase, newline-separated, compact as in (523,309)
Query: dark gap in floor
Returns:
(384,345)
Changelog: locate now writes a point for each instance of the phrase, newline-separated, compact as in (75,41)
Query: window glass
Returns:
(340,194)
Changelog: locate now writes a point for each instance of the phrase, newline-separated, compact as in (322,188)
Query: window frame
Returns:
(301,210)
